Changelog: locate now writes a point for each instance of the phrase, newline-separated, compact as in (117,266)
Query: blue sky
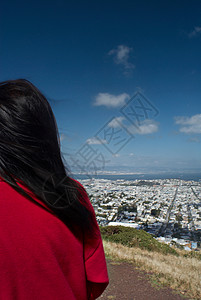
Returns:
(90,58)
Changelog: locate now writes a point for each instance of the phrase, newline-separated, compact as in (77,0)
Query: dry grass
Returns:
(180,273)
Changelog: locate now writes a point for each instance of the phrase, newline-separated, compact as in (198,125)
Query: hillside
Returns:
(171,267)
(132,237)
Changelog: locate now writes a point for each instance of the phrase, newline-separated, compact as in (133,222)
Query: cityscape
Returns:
(169,209)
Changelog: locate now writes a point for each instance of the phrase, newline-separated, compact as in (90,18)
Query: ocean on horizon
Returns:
(182,176)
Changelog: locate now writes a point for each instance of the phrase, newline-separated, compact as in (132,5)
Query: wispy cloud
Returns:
(95,141)
(110,100)
(147,126)
(195,32)
(194,139)
(121,57)
(116,122)
(189,125)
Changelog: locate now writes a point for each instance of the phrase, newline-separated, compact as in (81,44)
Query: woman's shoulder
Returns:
(79,184)
(84,197)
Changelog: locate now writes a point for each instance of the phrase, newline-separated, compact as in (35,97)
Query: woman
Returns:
(50,243)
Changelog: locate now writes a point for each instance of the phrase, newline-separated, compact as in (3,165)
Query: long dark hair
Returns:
(30,153)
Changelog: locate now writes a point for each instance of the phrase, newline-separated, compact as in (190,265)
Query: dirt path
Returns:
(128,283)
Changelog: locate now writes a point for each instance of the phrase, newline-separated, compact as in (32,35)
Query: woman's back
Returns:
(50,243)
(41,258)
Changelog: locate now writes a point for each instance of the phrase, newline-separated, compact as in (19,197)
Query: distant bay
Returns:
(182,176)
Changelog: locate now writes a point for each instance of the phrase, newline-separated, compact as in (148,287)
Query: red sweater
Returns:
(41,259)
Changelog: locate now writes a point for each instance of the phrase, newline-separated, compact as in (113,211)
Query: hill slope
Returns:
(177,269)
(132,237)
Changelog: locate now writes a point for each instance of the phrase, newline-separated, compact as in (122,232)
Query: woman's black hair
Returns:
(30,153)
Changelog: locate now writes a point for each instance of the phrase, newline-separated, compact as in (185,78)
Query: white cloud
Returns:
(195,32)
(131,154)
(147,127)
(110,100)
(116,122)
(121,56)
(95,141)
(189,125)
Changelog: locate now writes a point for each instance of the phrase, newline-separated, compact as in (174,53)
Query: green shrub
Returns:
(155,212)
(132,237)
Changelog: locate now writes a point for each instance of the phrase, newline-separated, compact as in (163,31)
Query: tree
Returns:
(155,212)
(179,218)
